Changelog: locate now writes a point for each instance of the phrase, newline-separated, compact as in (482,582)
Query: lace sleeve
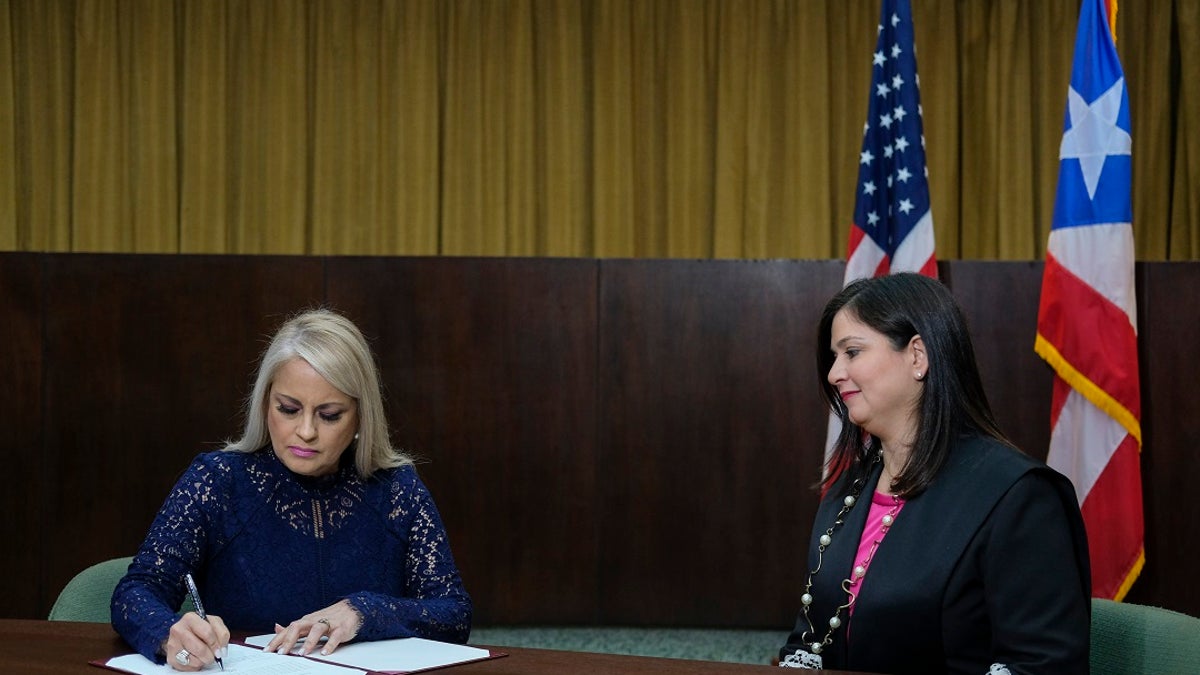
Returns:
(146,599)
(435,604)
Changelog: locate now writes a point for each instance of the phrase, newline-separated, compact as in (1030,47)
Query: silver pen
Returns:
(191,587)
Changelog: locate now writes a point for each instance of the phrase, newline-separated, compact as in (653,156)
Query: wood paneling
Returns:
(711,438)
(1000,302)
(490,370)
(609,441)
(22,523)
(1169,323)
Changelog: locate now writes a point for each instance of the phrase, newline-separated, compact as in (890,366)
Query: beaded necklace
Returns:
(835,621)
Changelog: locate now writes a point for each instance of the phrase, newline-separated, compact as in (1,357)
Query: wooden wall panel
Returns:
(22,523)
(612,442)
(147,361)
(1000,302)
(1169,325)
(489,366)
(711,436)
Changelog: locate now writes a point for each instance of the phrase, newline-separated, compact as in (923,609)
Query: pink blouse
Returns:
(882,506)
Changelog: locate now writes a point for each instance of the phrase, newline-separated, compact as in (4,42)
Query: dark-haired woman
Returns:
(938,547)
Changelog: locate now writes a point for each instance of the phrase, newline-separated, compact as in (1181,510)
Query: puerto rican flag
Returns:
(892,229)
(1087,318)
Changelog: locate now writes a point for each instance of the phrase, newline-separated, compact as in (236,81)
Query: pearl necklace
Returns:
(825,540)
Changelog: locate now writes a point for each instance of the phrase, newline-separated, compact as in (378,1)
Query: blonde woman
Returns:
(311,525)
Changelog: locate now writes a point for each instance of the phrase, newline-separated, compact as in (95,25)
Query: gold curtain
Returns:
(599,128)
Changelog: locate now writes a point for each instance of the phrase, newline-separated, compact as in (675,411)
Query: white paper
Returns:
(238,659)
(398,655)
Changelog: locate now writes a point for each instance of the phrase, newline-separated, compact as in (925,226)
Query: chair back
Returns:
(88,596)
(1129,638)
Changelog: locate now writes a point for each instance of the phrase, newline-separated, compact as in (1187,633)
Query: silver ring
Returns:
(183,656)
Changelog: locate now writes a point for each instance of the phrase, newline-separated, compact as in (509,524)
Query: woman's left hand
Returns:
(338,623)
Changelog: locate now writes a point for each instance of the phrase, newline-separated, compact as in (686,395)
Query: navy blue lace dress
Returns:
(268,546)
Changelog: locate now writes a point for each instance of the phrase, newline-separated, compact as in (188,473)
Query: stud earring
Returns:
(356,435)
(920,376)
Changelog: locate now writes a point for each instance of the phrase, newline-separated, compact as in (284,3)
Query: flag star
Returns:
(881,89)
(879,59)
(899,113)
(897,81)
(905,206)
(889,182)
(888,150)
(895,51)
(903,175)
(895,19)
(885,121)
(872,218)
(869,187)
(1094,135)
(901,144)
(865,157)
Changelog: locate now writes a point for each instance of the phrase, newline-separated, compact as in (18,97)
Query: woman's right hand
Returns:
(194,643)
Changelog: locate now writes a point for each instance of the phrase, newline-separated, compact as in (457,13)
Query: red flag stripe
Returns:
(1111,531)
(1102,366)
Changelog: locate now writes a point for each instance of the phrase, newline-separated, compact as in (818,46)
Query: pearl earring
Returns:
(356,435)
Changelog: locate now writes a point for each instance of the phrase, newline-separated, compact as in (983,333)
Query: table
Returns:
(65,647)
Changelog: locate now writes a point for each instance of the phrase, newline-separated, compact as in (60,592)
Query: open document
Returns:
(402,655)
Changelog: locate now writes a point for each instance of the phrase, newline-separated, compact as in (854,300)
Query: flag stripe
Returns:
(1089,344)
(915,253)
(1116,550)
(1101,255)
(1082,441)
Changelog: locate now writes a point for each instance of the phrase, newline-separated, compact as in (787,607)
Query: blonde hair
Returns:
(336,349)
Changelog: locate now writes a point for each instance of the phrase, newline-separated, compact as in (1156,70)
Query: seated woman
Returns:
(312,520)
(938,547)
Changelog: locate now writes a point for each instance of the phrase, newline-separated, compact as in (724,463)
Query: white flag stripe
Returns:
(1094,253)
(1083,442)
(917,247)
(864,261)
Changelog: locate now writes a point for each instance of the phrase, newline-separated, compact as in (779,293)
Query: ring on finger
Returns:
(183,656)
(324,621)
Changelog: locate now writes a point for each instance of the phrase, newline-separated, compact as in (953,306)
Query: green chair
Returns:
(1129,638)
(87,596)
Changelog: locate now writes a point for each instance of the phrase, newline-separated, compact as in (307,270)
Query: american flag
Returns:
(1087,318)
(892,229)
(893,226)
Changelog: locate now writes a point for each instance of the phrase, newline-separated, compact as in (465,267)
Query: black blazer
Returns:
(988,565)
